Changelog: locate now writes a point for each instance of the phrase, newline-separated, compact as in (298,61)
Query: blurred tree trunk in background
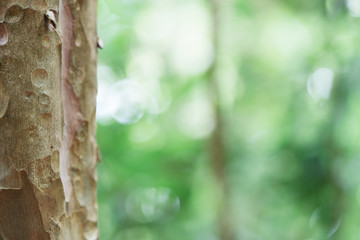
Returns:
(47,120)
(217,146)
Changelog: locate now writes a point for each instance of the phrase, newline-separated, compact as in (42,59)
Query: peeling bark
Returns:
(78,153)
(47,120)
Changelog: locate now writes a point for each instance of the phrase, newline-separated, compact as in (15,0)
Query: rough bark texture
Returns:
(78,154)
(35,130)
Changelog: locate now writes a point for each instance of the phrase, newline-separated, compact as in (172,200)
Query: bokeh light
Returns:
(223,120)
(320,83)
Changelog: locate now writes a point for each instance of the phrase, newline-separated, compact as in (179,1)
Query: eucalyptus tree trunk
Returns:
(47,110)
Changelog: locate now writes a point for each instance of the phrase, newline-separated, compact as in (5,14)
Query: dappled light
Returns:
(354,7)
(226,120)
(128,99)
(195,117)
(319,83)
(151,204)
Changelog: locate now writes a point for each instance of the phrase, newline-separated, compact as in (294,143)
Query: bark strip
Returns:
(79,151)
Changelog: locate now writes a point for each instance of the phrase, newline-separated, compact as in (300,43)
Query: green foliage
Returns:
(288,88)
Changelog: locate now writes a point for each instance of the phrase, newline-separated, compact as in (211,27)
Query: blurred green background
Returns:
(229,119)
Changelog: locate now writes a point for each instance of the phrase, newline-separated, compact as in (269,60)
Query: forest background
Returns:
(231,119)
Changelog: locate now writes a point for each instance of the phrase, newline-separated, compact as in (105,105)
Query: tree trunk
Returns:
(218,156)
(47,111)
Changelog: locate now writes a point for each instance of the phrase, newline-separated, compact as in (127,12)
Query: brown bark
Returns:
(79,152)
(34,129)
(217,147)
